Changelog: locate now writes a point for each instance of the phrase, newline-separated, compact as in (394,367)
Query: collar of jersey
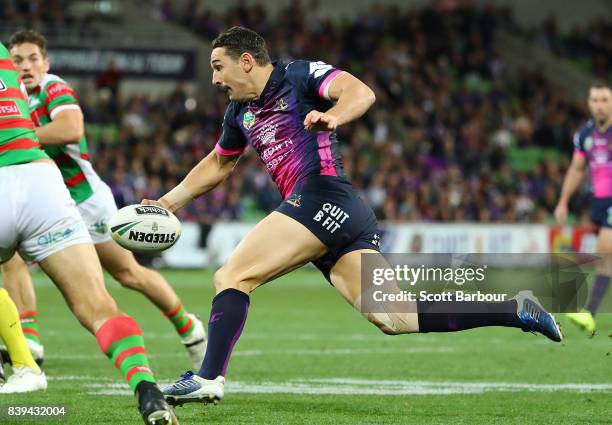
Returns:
(277,75)
(38,88)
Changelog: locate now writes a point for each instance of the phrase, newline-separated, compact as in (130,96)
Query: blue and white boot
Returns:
(191,388)
(534,318)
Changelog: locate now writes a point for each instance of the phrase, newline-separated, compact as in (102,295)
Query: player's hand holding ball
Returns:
(159,203)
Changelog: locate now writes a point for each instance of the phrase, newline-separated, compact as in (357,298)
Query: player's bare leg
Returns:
(603,269)
(18,283)
(259,258)
(76,272)
(275,246)
(425,316)
(392,318)
(122,265)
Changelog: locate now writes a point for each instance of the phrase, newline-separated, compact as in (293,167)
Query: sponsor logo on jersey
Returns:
(100,227)
(281,105)
(248,120)
(8,108)
(600,157)
(151,209)
(268,152)
(276,161)
(267,134)
(58,89)
(2,85)
(588,143)
(51,238)
(151,237)
(295,201)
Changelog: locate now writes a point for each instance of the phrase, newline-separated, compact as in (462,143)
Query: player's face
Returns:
(600,104)
(229,74)
(30,63)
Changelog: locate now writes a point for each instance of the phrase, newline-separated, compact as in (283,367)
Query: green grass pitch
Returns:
(306,357)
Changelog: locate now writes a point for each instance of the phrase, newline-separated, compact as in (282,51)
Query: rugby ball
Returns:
(145,228)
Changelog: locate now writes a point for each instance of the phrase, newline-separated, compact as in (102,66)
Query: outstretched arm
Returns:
(204,177)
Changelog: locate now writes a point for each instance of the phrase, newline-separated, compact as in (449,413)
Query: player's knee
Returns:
(384,328)
(226,278)
(393,324)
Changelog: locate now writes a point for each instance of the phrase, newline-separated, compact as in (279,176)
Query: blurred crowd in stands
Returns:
(589,45)
(453,136)
(31,12)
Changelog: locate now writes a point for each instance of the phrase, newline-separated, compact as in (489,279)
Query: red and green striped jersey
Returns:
(52,96)
(18,142)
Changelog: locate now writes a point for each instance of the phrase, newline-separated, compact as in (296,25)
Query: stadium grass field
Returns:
(306,357)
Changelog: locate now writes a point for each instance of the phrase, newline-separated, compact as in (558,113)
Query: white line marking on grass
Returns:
(299,352)
(280,336)
(352,351)
(484,386)
(79,378)
(92,356)
(348,386)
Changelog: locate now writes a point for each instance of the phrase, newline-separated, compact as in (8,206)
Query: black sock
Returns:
(227,318)
(600,287)
(456,316)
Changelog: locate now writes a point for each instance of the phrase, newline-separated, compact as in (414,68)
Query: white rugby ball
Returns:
(145,228)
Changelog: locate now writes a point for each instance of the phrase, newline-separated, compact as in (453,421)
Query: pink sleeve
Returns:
(228,152)
(324,87)
(579,153)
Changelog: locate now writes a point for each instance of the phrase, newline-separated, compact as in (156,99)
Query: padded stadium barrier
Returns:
(197,249)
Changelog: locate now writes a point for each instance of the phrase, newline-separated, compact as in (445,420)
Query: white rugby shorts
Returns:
(37,215)
(97,211)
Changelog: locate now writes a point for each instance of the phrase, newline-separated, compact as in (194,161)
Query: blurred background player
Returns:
(27,375)
(277,109)
(60,128)
(593,146)
(56,237)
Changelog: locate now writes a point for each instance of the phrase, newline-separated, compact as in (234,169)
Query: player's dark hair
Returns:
(29,36)
(600,84)
(239,40)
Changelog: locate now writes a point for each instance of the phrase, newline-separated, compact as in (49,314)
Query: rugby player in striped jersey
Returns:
(57,115)
(39,219)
